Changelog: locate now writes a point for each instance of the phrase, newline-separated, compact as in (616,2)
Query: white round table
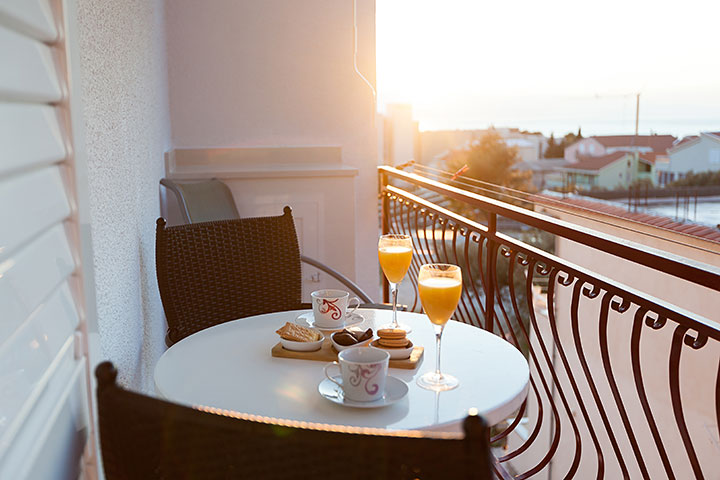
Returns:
(229,366)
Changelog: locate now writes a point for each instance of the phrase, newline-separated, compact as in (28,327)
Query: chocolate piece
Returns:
(344,338)
(347,338)
(367,334)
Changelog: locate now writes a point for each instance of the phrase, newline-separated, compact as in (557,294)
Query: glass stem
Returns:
(438,336)
(393,287)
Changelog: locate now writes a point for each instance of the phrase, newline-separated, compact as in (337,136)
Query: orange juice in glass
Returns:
(439,297)
(395,255)
(395,261)
(440,287)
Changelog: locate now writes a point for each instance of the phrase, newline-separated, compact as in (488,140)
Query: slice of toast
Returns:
(298,333)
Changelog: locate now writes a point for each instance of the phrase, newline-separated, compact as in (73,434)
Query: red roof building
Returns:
(603,145)
(659,144)
(610,171)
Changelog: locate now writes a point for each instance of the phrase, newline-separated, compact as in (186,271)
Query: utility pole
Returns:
(637,124)
(637,113)
(634,148)
(636,154)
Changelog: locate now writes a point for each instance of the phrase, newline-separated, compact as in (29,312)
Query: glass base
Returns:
(400,326)
(438,383)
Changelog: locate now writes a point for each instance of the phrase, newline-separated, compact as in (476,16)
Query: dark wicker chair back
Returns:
(212,272)
(143,437)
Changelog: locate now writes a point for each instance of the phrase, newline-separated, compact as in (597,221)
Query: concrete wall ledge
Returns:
(257,162)
(313,180)
(263,171)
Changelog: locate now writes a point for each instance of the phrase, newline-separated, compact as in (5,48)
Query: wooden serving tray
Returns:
(327,353)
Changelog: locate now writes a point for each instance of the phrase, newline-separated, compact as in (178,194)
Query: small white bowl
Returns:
(395,353)
(302,346)
(340,348)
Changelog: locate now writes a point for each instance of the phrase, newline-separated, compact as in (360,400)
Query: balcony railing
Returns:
(622,385)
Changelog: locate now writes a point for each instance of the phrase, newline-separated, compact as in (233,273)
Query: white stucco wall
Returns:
(280,73)
(700,156)
(584,147)
(124,91)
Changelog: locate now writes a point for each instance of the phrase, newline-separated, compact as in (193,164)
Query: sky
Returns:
(552,66)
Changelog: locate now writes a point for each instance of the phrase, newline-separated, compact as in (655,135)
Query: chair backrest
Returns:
(143,437)
(212,200)
(212,272)
(203,201)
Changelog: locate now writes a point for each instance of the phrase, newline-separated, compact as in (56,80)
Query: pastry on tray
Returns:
(298,333)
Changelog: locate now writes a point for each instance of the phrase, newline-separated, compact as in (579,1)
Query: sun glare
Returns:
(551,65)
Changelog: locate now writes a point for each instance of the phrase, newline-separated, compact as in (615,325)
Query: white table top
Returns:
(229,366)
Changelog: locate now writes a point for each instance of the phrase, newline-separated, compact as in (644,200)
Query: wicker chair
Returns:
(143,437)
(213,272)
(209,200)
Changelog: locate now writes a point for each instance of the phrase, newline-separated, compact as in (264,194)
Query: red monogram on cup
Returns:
(328,306)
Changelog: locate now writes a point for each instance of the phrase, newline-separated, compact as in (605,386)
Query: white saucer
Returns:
(395,389)
(308,320)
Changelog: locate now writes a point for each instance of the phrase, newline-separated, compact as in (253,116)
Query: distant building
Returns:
(653,158)
(401,139)
(546,172)
(619,169)
(529,147)
(603,145)
(696,153)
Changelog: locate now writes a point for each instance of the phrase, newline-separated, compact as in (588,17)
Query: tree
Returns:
(551,142)
(557,149)
(490,160)
(569,139)
(554,149)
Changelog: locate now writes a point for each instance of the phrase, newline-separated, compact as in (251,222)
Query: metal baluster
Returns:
(556,342)
(680,338)
(640,386)
(472,238)
(385,228)
(407,229)
(605,355)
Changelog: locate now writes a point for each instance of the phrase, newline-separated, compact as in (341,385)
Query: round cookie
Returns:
(393,343)
(394,333)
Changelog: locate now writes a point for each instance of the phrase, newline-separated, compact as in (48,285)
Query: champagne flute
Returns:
(395,255)
(440,287)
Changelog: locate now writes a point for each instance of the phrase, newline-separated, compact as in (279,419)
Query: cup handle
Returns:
(333,364)
(355,307)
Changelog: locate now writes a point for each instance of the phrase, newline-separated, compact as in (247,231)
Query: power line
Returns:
(571,209)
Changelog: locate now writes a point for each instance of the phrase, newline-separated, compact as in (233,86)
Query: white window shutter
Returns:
(44,416)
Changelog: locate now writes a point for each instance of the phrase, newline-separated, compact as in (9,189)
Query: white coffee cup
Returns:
(363,372)
(330,307)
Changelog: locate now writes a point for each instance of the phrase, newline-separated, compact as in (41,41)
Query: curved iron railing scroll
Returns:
(622,385)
